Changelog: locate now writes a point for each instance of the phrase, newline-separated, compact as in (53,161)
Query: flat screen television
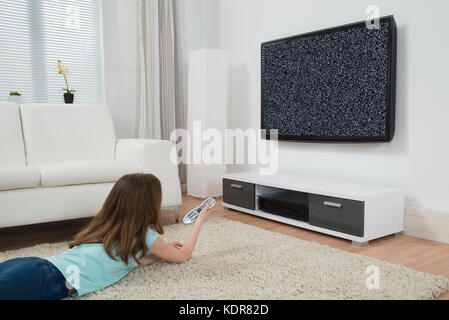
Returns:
(331,85)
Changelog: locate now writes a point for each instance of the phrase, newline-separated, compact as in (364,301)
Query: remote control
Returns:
(193,214)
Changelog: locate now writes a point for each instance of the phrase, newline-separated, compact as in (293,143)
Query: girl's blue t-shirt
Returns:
(88,267)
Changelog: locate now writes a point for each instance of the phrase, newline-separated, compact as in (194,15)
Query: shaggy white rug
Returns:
(233,260)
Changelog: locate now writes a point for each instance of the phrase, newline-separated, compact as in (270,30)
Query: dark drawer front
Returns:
(337,214)
(239,194)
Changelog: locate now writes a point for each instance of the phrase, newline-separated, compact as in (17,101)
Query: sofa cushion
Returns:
(11,140)
(84,171)
(59,132)
(18,177)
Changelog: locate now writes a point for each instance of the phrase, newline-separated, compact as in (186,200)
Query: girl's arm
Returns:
(150,258)
(179,255)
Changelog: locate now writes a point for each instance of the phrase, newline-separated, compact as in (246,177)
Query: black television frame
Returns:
(391,96)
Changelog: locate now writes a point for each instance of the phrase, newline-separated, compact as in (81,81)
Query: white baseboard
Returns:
(427,224)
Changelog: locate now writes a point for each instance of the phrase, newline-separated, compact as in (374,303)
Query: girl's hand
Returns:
(177,244)
(204,214)
(148,259)
(151,258)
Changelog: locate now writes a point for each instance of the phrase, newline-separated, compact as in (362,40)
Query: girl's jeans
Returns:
(31,278)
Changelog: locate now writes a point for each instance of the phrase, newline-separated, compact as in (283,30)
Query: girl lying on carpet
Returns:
(121,237)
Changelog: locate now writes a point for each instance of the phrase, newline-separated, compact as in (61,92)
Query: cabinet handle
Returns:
(236,186)
(332,204)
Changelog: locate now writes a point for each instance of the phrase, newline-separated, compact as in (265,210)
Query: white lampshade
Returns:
(207,104)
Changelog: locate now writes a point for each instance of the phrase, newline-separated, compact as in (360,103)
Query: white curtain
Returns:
(162,99)
(161,105)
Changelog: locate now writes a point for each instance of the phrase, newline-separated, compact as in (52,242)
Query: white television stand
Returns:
(356,212)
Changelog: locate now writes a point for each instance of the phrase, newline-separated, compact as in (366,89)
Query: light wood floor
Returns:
(419,254)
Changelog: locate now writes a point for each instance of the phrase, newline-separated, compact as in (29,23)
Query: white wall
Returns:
(418,158)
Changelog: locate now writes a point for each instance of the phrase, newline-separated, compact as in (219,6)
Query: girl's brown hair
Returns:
(132,206)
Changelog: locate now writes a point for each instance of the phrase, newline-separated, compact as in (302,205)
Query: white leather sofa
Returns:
(59,162)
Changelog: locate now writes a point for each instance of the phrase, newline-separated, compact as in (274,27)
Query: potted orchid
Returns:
(64,71)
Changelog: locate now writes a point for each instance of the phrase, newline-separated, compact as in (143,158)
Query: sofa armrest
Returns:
(153,156)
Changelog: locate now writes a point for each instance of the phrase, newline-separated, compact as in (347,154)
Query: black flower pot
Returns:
(68,97)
